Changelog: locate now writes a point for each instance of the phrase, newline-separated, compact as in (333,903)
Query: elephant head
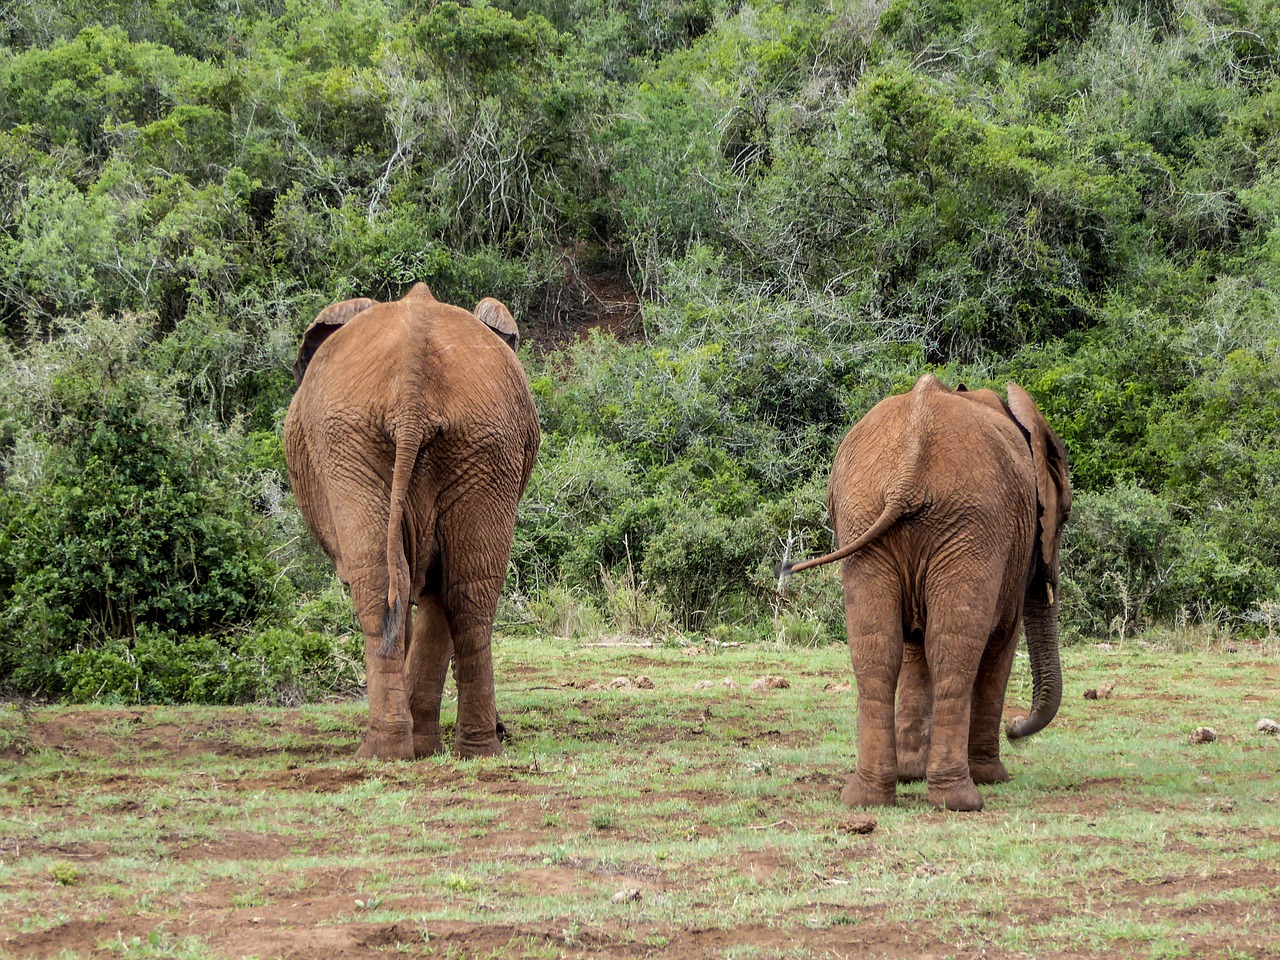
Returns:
(1040,611)
(492,313)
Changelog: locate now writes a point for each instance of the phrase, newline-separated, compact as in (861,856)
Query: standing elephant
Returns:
(409,442)
(950,506)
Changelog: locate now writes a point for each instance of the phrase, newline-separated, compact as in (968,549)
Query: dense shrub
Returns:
(815,205)
(572,516)
(276,665)
(1132,558)
(699,558)
(117,519)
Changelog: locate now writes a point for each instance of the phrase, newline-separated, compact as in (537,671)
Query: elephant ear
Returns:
(494,315)
(328,320)
(1053,488)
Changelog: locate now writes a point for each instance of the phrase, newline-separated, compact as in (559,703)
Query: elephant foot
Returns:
(468,749)
(384,746)
(427,745)
(961,797)
(991,771)
(858,793)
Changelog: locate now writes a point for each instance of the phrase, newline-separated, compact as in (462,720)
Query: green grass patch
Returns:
(682,820)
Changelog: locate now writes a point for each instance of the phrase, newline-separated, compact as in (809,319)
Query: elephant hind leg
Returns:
(950,785)
(873,620)
(985,765)
(471,605)
(955,639)
(430,652)
(915,706)
(474,535)
(390,732)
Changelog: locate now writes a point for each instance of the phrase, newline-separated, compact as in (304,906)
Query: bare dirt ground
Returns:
(580,300)
(303,926)
(129,831)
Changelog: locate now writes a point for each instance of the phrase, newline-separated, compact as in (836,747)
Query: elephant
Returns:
(950,505)
(409,442)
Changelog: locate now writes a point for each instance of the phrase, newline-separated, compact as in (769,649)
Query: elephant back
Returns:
(934,455)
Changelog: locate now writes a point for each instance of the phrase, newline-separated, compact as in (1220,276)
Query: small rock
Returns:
(643,683)
(771,683)
(625,896)
(708,684)
(1269,726)
(858,825)
(1101,693)
(620,683)
(1203,735)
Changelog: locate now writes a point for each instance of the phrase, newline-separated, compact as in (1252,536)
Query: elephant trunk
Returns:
(1041,620)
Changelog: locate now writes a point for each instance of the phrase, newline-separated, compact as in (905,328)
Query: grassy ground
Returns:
(697,818)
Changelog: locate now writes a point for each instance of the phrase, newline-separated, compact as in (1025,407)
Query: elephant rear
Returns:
(948,508)
(410,440)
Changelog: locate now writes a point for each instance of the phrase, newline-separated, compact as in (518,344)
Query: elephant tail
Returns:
(408,443)
(892,513)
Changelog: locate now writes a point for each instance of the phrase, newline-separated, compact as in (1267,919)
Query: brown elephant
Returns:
(410,440)
(951,506)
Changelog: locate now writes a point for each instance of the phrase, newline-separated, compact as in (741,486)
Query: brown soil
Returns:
(579,300)
(280,905)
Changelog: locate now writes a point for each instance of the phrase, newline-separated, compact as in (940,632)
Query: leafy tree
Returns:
(116,521)
(812,204)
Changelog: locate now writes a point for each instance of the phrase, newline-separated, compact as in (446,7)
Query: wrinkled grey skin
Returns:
(409,441)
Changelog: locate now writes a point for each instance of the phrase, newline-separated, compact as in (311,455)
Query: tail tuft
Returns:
(783,572)
(393,630)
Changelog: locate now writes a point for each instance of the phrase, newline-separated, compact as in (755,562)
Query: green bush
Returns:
(122,529)
(569,518)
(700,558)
(277,665)
(1131,559)
(1118,555)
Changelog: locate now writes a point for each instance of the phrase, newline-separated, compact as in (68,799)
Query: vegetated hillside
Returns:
(811,203)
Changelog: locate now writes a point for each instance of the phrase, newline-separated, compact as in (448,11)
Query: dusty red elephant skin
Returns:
(949,505)
(409,441)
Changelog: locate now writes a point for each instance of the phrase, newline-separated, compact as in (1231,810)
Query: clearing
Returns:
(693,818)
